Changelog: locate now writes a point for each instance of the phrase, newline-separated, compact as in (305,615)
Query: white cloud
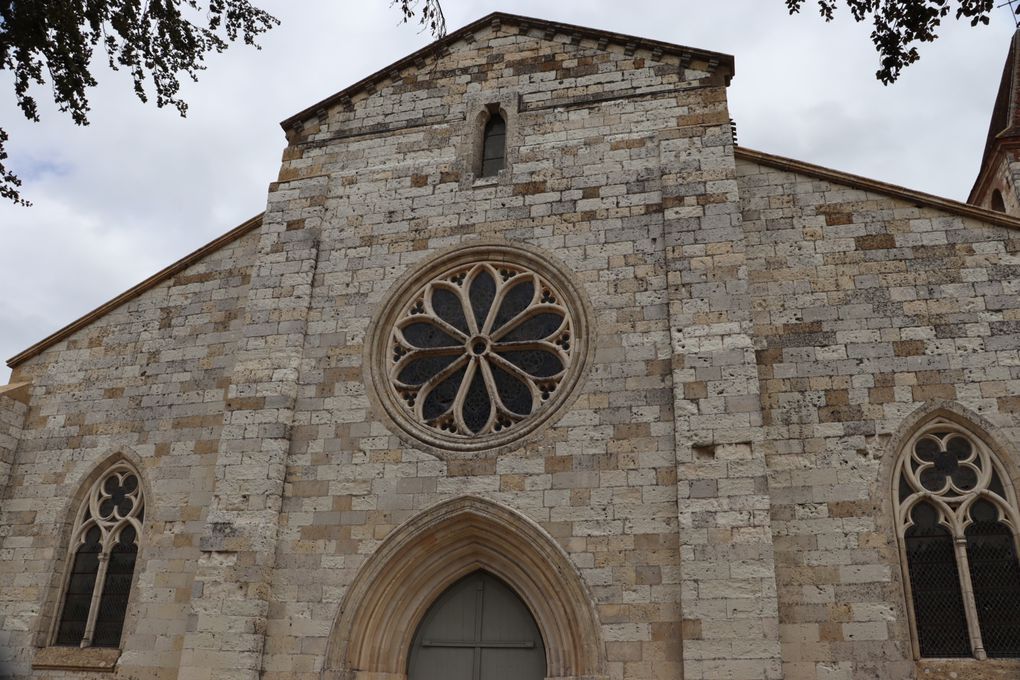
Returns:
(141,187)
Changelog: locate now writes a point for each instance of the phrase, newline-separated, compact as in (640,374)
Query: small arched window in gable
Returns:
(101,555)
(493,145)
(998,204)
(957,528)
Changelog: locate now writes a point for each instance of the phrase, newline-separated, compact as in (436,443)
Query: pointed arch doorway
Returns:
(397,589)
(479,629)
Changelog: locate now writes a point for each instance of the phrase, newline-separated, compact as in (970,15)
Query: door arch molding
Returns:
(373,632)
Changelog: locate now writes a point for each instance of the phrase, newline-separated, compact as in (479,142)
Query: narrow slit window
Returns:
(102,555)
(494,146)
(998,203)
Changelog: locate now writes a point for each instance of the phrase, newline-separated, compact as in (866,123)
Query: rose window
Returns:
(480,348)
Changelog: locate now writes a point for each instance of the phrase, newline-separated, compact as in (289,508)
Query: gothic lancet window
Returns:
(102,552)
(957,518)
(493,145)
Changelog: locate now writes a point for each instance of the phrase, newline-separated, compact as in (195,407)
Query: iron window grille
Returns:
(101,561)
(957,524)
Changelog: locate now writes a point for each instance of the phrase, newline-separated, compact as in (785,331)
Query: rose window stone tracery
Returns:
(480,348)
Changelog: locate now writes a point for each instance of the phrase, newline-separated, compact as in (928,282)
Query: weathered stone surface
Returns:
(713,502)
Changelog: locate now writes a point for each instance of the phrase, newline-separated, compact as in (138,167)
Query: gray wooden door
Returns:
(479,629)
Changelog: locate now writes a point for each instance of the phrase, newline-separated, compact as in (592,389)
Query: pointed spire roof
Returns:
(1005,125)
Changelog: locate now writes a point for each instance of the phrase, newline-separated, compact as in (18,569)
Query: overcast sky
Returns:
(141,187)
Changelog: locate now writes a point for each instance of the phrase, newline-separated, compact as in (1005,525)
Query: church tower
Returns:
(998,182)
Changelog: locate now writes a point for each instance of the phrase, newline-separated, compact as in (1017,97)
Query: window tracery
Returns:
(102,552)
(479,347)
(957,526)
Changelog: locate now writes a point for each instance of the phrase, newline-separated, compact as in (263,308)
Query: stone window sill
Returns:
(955,669)
(101,659)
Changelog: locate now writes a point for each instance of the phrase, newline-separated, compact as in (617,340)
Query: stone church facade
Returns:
(521,322)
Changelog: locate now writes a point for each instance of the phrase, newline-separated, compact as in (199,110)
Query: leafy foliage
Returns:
(431,14)
(900,25)
(156,41)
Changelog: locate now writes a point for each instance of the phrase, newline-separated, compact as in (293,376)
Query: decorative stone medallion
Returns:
(479,347)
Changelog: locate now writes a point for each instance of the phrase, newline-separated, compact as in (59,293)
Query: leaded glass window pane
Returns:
(80,584)
(105,544)
(494,146)
(113,605)
(935,586)
(995,576)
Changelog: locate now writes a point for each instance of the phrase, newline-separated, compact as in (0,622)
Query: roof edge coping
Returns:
(723,60)
(135,291)
(865,184)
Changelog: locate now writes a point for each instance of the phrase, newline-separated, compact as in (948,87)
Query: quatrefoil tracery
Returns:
(114,510)
(480,348)
(950,470)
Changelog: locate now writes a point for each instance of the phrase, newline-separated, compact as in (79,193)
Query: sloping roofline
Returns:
(130,294)
(863,183)
(632,42)
(778,162)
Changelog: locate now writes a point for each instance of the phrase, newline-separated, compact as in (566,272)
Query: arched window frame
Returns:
(493,115)
(954,504)
(998,202)
(86,518)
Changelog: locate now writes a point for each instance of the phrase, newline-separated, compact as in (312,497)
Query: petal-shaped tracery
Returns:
(450,308)
(420,367)
(440,399)
(516,297)
(425,334)
(482,348)
(482,293)
(537,362)
(477,406)
(513,392)
(541,326)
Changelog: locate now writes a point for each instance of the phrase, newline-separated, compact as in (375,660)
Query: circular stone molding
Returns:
(479,347)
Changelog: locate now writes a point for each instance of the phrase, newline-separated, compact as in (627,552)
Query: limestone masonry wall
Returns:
(145,382)
(584,185)
(711,503)
(868,313)
(13,407)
